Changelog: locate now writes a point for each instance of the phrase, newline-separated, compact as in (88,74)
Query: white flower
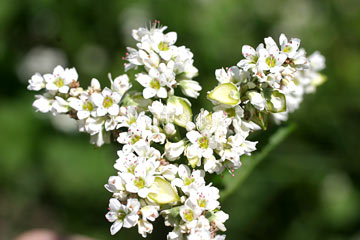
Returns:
(200,230)
(257,100)
(162,113)
(211,165)
(149,212)
(116,186)
(163,44)
(36,83)
(271,59)
(190,88)
(120,84)
(188,179)
(128,116)
(219,218)
(84,106)
(42,103)
(142,179)
(189,212)
(204,197)
(60,79)
(317,61)
(202,144)
(173,151)
(60,105)
(106,102)
(154,84)
(289,47)
(251,57)
(122,215)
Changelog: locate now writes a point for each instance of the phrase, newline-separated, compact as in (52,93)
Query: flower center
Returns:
(59,82)
(131,168)
(202,202)
(287,49)
(121,215)
(88,106)
(135,139)
(155,84)
(108,102)
(203,142)
(164,46)
(188,181)
(139,182)
(189,215)
(254,58)
(271,61)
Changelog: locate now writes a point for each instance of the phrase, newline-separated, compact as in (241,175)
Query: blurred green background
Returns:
(50,177)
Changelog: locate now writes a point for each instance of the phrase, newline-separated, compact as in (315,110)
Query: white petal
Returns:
(143,79)
(116,227)
(171,37)
(248,51)
(162,93)
(149,93)
(114,204)
(193,136)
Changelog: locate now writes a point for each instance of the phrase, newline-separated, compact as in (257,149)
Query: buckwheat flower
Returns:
(154,84)
(149,213)
(140,130)
(163,44)
(42,103)
(317,61)
(271,59)
(120,84)
(168,171)
(36,82)
(128,162)
(257,100)
(251,57)
(100,138)
(128,116)
(188,179)
(140,33)
(174,150)
(116,186)
(60,79)
(60,105)
(190,88)
(202,144)
(84,106)
(219,218)
(289,47)
(162,113)
(201,230)
(142,179)
(189,212)
(204,197)
(122,215)
(212,165)
(106,102)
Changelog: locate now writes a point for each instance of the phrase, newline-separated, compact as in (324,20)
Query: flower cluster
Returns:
(165,65)
(165,152)
(269,81)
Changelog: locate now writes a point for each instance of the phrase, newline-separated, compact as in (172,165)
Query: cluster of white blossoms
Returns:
(165,152)
(270,81)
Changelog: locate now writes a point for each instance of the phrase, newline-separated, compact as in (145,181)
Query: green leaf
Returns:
(231,184)
(226,93)
(186,112)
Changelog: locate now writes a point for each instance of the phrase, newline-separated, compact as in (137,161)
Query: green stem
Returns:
(250,162)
